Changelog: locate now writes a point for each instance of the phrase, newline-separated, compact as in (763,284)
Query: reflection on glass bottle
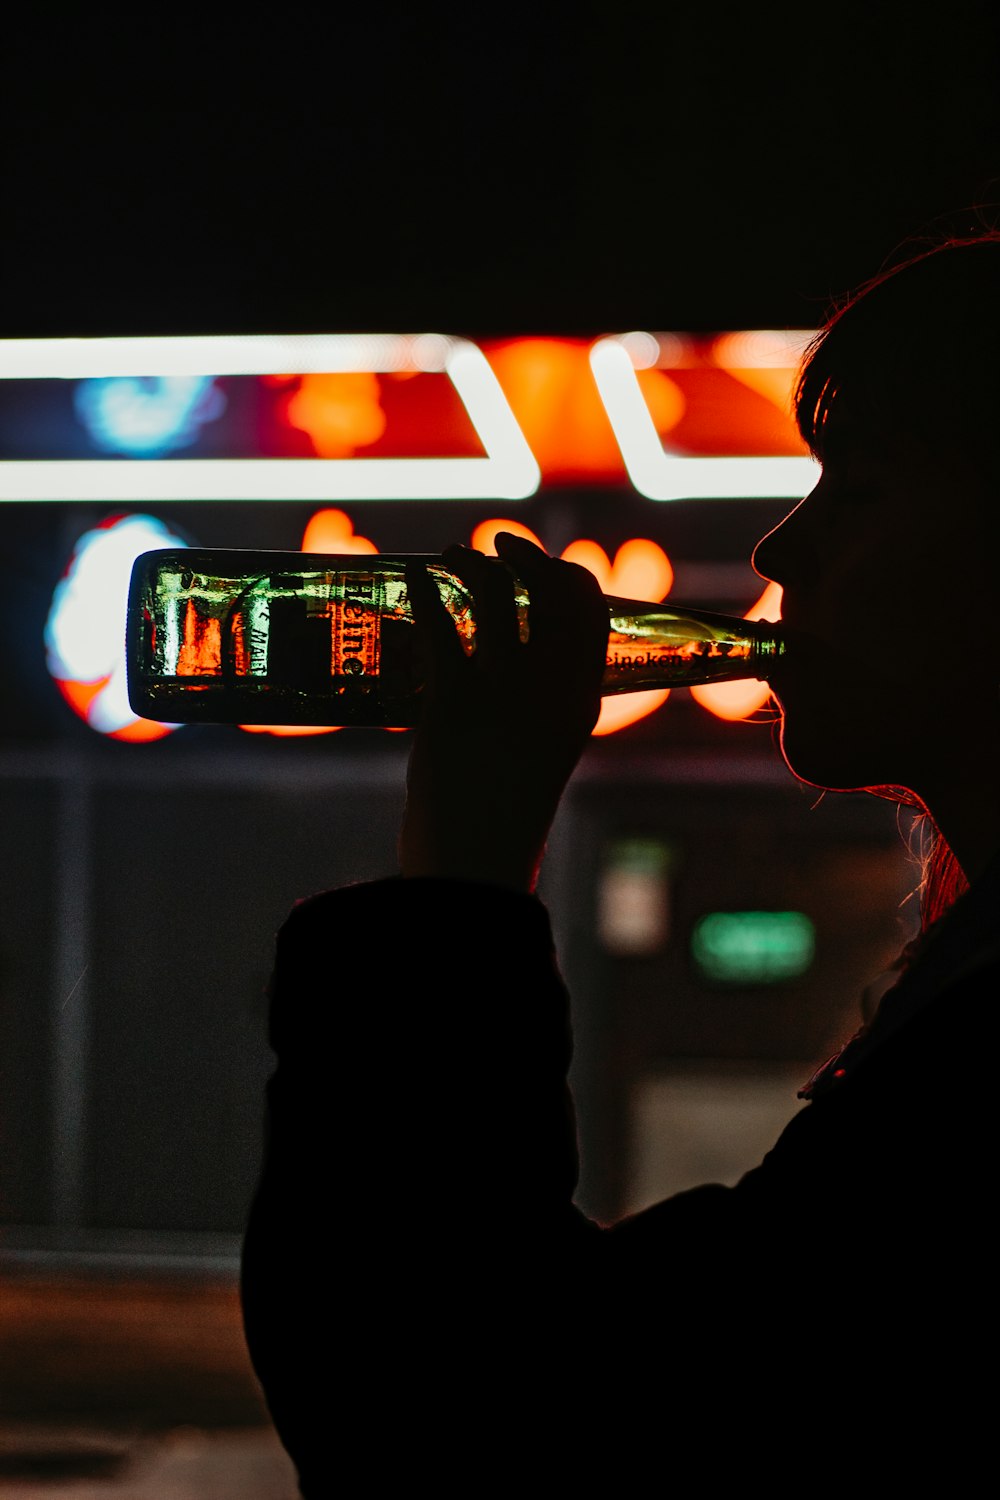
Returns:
(297,638)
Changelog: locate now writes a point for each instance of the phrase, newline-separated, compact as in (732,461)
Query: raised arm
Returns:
(504,727)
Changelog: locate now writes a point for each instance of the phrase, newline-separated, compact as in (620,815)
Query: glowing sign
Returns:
(663,472)
(502,468)
(85,631)
(333,531)
(633,898)
(146,415)
(400,417)
(552,392)
(753,947)
(341,413)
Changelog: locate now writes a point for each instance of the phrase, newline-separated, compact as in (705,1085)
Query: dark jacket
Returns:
(415,1219)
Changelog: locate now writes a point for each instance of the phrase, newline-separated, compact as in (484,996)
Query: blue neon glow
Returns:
(85,630)
(146,416)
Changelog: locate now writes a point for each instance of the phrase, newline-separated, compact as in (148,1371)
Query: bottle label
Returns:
(689,652)
(354,624)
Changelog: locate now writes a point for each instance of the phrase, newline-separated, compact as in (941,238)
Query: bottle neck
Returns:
(671,645)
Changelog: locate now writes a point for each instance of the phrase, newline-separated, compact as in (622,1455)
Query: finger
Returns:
(492,589)
(565,599)
(523,556)
(438,641)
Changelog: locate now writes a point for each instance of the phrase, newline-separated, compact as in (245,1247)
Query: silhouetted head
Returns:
(915,355)
(889,565)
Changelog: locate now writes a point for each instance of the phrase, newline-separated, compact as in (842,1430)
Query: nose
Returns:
(765,558)
(783,554)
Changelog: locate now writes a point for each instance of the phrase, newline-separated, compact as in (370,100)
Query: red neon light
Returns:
(80,695)
(550,387)
(402,414)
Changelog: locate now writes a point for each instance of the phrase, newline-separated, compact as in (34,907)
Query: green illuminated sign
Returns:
(753,947)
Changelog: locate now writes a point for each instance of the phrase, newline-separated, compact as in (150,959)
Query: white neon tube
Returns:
(663,476)
(508,471)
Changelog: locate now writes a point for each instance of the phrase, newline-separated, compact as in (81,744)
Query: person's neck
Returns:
(966,811)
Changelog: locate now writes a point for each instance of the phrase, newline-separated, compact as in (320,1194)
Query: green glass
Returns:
(240,637)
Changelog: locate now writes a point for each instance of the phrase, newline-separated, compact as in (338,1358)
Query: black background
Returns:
(479,170)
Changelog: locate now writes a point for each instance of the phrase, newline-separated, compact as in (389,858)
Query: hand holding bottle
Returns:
(502,727)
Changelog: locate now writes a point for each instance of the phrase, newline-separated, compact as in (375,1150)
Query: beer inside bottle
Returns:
(239,637)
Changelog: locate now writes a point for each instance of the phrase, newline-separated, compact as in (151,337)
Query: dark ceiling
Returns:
(560,168)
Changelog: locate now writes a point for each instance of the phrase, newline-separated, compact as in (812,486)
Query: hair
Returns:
(914,354)
(914,351)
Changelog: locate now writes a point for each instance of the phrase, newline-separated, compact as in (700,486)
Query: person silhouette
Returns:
(415,1222)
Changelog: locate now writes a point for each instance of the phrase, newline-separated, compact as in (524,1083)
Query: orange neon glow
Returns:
(550,387)
(333,531)
(617,713)
(740,700)
(341,412)
(201,651)
(290,729)
(774,381)
(484,538)
(141,731)
(394,414)
(80,695)
(641,569)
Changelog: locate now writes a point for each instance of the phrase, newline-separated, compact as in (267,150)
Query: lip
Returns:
(804,653)
(798,638)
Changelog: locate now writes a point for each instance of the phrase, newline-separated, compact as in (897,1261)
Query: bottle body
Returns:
(240,637)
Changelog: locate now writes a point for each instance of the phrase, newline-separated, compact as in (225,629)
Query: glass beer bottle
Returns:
(241,637)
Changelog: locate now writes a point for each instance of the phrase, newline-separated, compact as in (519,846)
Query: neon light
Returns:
(508,471)
(766,362)
(239,354)
(753,947)
(85,630)
(591,414)
(641,570)
(664,476)
(633,898)
(552,393)
(333,531)
(629,708)
(339,412)
(147,415)
(551,390)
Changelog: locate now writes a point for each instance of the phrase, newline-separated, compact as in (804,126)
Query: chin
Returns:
(824,763)
(844,752)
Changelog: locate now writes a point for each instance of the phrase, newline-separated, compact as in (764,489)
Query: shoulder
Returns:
(418,906)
